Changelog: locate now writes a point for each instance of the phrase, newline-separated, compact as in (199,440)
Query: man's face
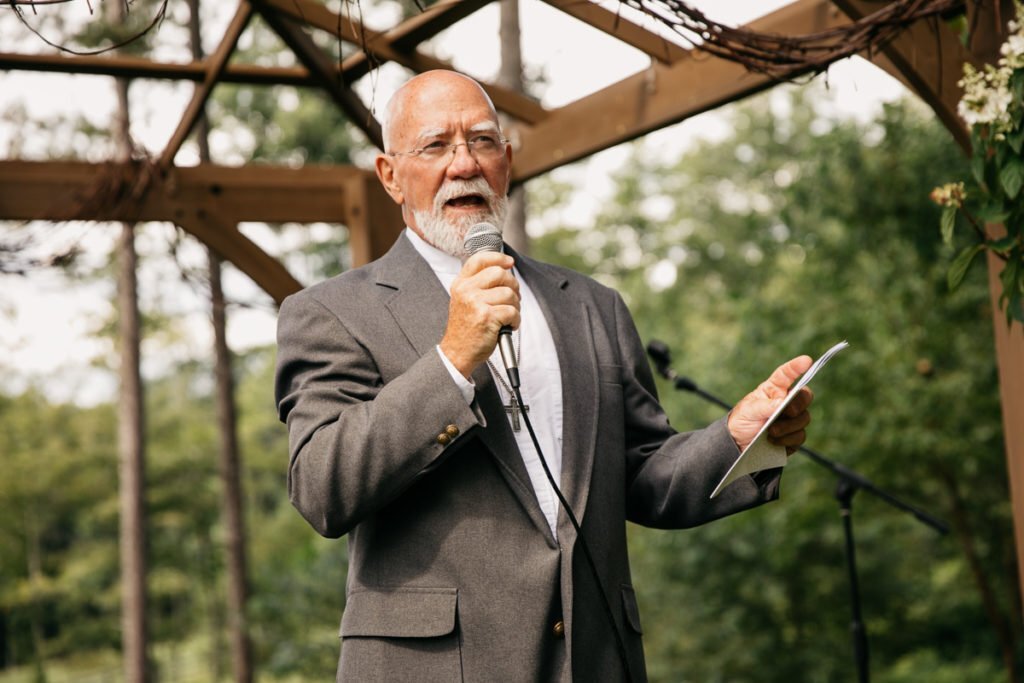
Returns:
(443,193)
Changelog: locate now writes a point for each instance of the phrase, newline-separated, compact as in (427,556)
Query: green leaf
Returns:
(1011,176)
(1011,278)
(978,166)
(992,212)
(1002,152)
(958,268)
(1012,297)
(1002,246)
(1016,140)
(1015,309)
(1017,84)
(947,222)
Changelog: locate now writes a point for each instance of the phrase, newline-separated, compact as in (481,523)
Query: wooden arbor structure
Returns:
(209,201)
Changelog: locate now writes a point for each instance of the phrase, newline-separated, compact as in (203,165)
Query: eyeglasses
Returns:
(484,147)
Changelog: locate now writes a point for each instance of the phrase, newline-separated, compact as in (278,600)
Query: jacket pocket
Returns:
(629,607)
(401,635)
(400,612)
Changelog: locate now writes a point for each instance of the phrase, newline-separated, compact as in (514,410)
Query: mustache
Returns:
(459,188)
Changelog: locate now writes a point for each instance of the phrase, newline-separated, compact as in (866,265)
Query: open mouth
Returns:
(473,201)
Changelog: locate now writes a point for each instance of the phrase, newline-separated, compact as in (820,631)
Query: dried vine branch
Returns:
(16,5)
(782,56)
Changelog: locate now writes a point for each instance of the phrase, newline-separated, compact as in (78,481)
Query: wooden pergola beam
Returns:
(932,74)
(410,33)
(208,201)
(623,29)
(223,237)
(320,17)
(137,67)
(215,69)
(656,97)
(322,68)
(513,103)
(52,190)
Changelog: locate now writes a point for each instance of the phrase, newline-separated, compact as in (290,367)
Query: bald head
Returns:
(430,89)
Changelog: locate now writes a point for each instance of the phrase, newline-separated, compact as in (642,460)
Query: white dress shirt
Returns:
(541,380)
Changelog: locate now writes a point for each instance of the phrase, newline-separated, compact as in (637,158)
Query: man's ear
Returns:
(386,173)
(508,168)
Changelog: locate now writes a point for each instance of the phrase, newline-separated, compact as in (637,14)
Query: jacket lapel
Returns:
(420,308)
(568,318)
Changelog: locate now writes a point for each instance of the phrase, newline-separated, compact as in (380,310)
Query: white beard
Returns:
(448,235)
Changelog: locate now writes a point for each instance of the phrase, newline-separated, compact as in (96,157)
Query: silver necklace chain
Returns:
(512,408)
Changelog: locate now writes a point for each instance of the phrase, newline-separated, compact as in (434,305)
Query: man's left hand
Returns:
(750,414)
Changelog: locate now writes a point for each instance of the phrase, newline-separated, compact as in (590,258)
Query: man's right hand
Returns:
(484,298)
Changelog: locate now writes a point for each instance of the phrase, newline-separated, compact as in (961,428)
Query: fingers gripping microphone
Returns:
(487,237)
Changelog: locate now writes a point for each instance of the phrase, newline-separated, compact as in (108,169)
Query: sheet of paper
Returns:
(760,454)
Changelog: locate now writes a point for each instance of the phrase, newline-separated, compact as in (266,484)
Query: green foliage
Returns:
(779,241)
(993,108)
(59,529)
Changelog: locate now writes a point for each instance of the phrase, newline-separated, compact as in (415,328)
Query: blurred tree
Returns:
(227,428)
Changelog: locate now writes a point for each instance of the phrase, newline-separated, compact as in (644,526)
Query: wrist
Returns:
(457,361)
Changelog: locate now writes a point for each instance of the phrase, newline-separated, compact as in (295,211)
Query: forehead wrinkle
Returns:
(435,131)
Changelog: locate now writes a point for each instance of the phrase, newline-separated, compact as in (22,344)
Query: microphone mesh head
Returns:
(482,237)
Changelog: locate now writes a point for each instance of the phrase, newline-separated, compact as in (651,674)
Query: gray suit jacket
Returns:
(454,574)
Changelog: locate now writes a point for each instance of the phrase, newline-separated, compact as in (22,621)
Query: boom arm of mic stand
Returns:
(854,478)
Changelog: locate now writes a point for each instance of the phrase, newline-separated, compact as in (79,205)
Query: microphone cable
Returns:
(620,643)
(486,237)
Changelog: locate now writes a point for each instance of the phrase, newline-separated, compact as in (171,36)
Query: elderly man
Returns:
(463,564)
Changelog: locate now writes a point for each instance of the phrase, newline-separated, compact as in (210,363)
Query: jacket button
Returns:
(558,629)
(444,439)
(451,430)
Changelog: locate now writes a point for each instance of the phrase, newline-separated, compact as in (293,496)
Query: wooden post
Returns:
(1010,359)
(374,221)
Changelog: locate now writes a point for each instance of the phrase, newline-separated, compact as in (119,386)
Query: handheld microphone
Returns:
(487,237)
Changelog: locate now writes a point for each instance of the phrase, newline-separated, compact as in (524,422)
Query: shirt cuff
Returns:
(466,386)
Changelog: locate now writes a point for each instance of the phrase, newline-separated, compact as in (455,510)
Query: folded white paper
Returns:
(760,454)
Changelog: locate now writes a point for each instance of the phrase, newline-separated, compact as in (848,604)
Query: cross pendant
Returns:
(513,410)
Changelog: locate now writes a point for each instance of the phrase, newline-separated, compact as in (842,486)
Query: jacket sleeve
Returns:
(356,443)
(670,475)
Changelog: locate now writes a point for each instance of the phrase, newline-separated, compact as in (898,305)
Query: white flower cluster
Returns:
(987,95)
(950,194)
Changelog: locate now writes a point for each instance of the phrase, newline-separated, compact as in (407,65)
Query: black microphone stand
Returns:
(847,484)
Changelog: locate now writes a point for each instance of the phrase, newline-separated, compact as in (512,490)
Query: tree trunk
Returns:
(510,75)
(230,470)
(34,556)
(131,453)
(132,468)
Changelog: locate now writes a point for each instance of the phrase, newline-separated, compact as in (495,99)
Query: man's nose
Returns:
(463,164)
